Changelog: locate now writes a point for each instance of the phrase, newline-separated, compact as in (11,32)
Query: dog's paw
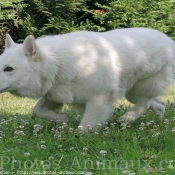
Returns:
(158,107)
(63,118)
(127,118)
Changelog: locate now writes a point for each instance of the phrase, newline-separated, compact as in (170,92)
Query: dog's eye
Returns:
(8,69)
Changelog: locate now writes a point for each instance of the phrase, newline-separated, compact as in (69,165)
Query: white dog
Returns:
(91,71)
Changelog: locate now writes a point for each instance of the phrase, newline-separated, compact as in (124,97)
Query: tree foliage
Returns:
(42,17)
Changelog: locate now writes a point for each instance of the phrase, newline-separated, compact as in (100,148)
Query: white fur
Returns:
(91,70)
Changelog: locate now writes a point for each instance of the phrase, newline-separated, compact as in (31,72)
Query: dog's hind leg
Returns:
(141,106)
(45,109)
(158,107)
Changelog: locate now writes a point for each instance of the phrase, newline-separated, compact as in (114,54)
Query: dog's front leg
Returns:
(46,109)
(97,111)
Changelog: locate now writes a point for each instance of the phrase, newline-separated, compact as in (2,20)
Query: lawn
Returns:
(29,145)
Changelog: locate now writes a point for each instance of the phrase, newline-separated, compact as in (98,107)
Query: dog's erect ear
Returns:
(9,42)
(29,46)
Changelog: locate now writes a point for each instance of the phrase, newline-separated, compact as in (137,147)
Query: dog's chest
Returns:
(71,92)
(61,94)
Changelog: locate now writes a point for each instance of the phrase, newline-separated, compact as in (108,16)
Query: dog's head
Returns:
(19,68)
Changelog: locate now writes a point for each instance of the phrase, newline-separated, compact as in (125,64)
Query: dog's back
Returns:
(100,62)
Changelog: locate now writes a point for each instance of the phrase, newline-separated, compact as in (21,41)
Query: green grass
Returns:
(29,145)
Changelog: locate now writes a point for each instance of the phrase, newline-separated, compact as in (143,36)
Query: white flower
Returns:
(27,123)
(156,134)
(125,171)
(106,128)
(80,128)
(123,127)
(141,128)
(43,146)
(72,148)
(37,127)
(89,128)
(64,124)
(19,133)
(128,172)
(2,133)
(42,142)
(153,156)
(59,146)
(116,151)
(123,124)
(4,122)
(142,124)
(85,148)
(99,163)
(61,127)
(83,153)
(51,158)
(99,125)
(173,129)
(0,138)
(166,121)
(19,141)
(27,154)
(112,124)
(15,117)
(103,152)
(148,123)
(21,126)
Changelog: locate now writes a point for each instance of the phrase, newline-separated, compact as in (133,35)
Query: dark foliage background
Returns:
(42,17)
